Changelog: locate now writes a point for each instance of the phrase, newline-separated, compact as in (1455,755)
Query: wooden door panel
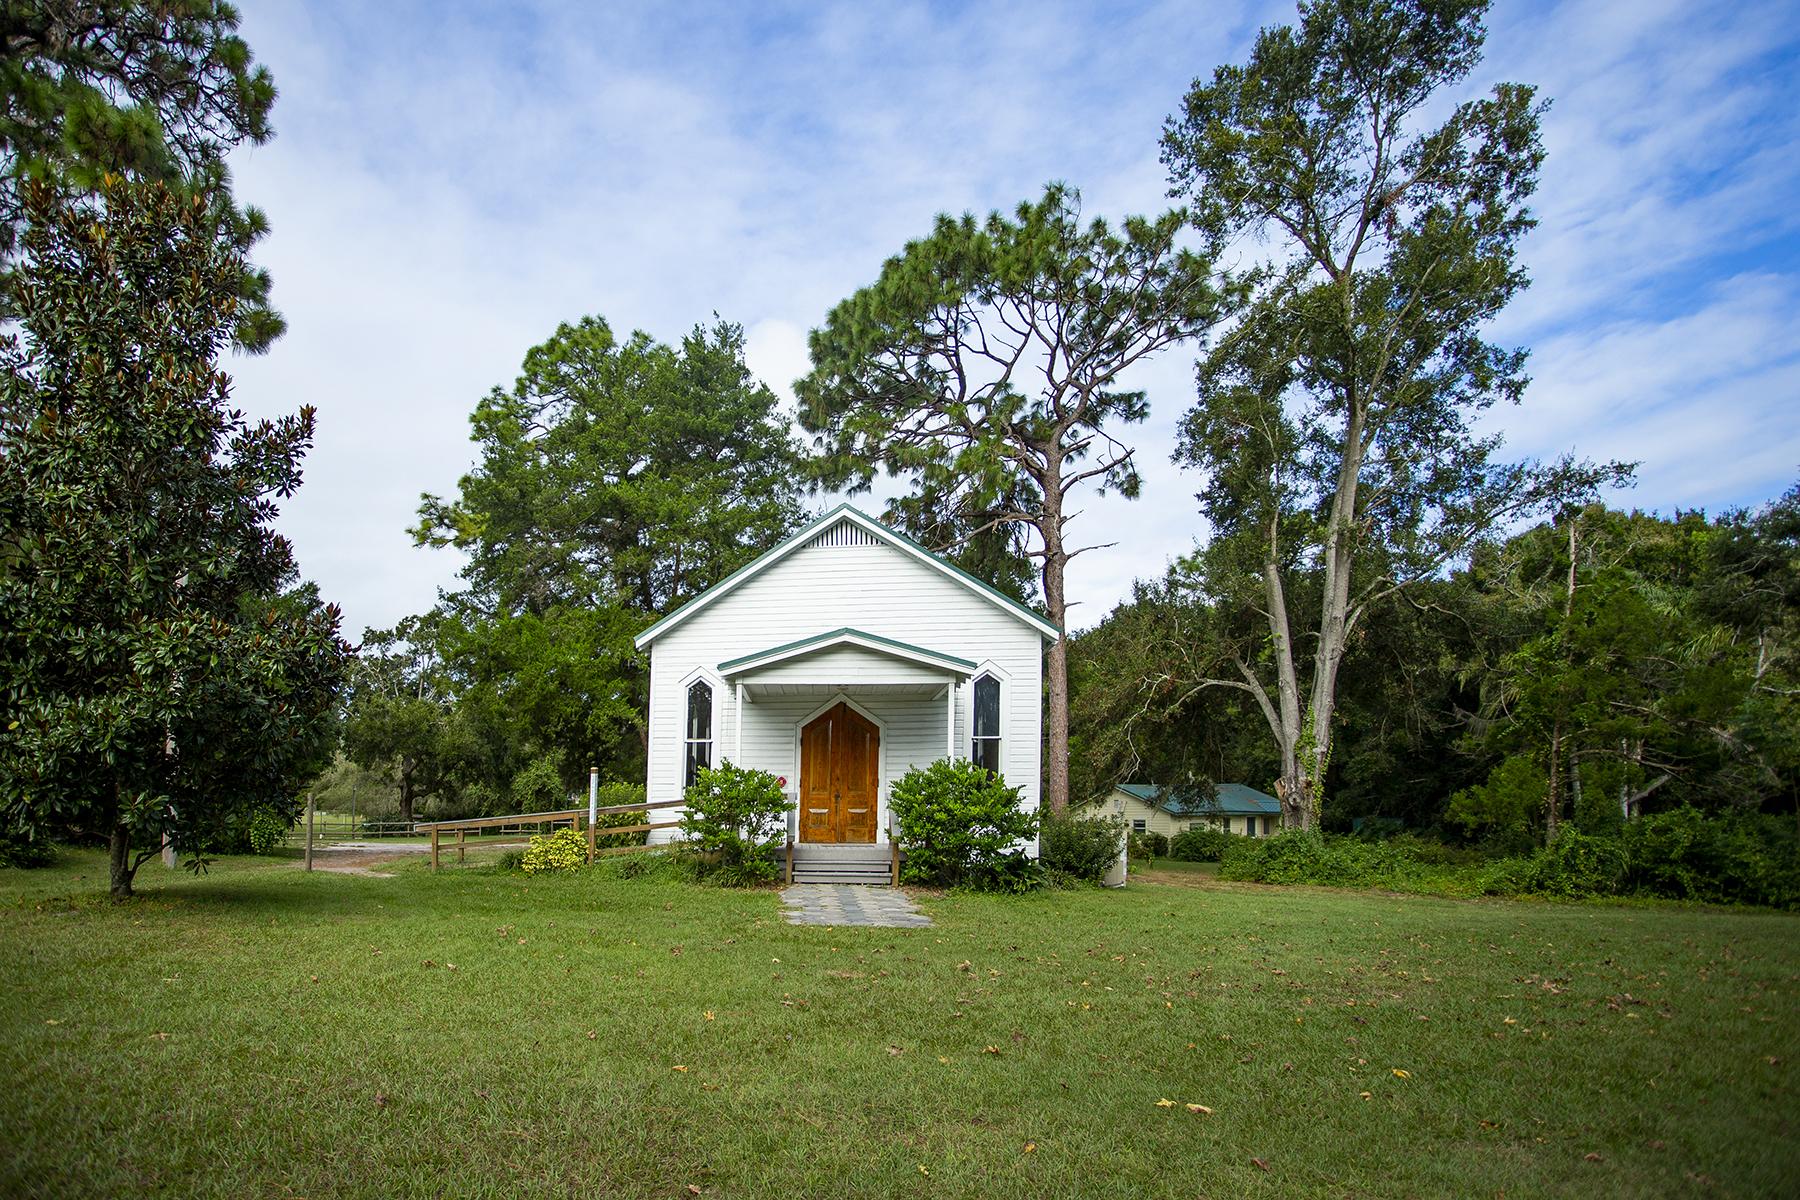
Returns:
(818,815)
(840,777)
(859,770)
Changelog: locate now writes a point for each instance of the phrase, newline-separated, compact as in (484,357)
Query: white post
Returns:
(309,830)
(169,857)
(737,753)
(593,794)
(950,721)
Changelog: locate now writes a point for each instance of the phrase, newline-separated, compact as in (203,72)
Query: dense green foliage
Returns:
(982,368)
(737,814)
(150,91)
(1665,679)
(1078,847)
(162,672)
(1682,854)
(1203,845)
(959,825)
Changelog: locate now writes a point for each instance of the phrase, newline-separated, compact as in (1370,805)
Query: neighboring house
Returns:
(838,661)
(1238,809)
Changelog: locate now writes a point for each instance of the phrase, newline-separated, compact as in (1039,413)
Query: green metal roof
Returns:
(1232,798)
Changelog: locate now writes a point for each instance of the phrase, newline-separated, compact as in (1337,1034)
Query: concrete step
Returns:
(858,878)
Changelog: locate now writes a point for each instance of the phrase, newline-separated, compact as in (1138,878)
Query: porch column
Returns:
(950,721)
(737,753)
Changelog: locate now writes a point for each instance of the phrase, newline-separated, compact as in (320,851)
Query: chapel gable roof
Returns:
(847,526)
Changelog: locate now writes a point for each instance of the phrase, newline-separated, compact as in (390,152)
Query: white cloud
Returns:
(450,183)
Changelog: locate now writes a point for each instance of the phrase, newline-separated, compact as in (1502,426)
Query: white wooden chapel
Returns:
(836,662)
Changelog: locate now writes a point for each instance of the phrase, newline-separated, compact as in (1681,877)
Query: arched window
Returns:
(985,750)
(699,730)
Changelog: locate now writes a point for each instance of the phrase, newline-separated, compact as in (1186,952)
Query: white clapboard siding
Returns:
(837,580)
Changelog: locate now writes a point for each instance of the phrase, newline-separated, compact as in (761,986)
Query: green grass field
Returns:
(264,1032)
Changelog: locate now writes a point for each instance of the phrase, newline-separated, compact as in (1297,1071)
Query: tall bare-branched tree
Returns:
(1334,422)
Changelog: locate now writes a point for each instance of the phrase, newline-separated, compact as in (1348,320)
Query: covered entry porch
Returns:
(839,717)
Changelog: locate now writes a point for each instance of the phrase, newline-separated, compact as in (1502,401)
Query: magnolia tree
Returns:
(161,674)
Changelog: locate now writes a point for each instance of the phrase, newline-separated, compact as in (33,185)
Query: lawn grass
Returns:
(264,1032)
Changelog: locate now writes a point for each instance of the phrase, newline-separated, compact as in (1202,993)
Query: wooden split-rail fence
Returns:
(571,816)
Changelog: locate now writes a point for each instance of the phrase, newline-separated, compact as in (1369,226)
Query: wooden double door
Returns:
(840,777)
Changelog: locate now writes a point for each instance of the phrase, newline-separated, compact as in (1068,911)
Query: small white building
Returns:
(836,662)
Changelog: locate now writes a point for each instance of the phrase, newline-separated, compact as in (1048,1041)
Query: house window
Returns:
(1250,826)
(985,750)
(1137,827)
(699,730)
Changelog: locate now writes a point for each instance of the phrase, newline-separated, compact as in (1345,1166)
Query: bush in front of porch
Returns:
(737,813)
(960,825)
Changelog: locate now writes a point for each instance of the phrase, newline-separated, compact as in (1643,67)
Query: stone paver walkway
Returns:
(851,904)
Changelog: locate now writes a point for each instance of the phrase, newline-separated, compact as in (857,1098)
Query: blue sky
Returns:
(449,182)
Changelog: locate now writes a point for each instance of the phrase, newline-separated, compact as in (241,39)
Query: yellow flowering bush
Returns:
(563,850)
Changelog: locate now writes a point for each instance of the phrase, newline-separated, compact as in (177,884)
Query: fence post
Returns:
(593,813)
(309,830)
(434,848)
(459,844)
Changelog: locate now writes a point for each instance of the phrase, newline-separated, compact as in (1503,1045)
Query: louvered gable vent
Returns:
(844,533)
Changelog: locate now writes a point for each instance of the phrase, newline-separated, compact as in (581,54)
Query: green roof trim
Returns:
(842,636)
(1042,624)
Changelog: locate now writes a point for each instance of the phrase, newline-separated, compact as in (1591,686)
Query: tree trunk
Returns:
(1334,615)
(1290,789)
(118,861)
(1056,663)
(1553,798)
(406,790)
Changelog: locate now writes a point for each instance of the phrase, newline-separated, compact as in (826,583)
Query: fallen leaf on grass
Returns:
(1165,1103)
(591,1035)
(1402,1074)
(945,1060)
(161,1037)
(992,1050)
(1593,1158)
(896,1051)
(694,1189)
(381,1101)
(1029,1147)
(681,1069)
(53,1022)
(922,1169)
(1199,1108)
(428,963)
(1655,1145)
(1774,1062)
(1263,1163)
(1364,1095)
